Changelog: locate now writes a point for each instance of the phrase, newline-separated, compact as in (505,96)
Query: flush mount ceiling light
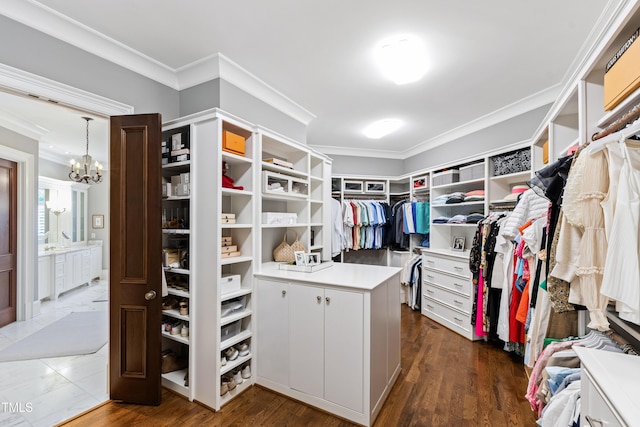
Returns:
(380,128)
(402,59)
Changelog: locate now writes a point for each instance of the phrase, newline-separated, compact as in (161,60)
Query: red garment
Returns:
(516,329)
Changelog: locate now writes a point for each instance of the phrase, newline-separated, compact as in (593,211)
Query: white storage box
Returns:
(229,283)
(471,172)
(229,331)
(279,218)
(446,177)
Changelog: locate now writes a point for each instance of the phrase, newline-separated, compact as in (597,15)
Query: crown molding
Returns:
(54,24)
(22,127)
(24,83)
(252,84)
(537,100)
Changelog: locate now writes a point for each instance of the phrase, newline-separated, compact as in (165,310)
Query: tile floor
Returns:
(43,392)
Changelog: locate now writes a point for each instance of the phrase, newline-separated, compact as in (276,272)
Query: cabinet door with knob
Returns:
(272,329)
(326,353)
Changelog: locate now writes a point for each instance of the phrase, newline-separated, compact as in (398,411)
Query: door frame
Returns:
(21,82)
(26,250)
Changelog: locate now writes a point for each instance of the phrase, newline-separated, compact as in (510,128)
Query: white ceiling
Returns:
(489,59)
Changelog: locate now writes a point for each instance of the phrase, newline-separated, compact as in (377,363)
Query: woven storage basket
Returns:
(284,252)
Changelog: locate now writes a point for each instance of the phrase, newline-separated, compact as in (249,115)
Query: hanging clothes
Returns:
(621,279)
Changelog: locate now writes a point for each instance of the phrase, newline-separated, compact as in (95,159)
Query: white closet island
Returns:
(330,338)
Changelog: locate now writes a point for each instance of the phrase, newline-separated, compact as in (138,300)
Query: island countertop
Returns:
(356,276)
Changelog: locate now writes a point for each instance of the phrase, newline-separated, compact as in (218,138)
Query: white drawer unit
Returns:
(447,291)
(608,388)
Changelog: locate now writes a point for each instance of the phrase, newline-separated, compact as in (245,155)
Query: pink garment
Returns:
(536,374)
(479,307)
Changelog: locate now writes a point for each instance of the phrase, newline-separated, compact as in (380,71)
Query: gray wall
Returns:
(37,53)
(222,94)
(353,165)
(53,170)
(512,131)
(250,108)
(200,97)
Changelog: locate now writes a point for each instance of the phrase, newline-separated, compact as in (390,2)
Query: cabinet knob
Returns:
(284,292)
(319,298)
(328,300)
(150,295)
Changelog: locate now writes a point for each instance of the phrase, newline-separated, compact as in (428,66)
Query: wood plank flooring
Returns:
(446,380)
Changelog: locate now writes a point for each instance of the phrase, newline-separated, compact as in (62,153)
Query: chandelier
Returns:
(81,171)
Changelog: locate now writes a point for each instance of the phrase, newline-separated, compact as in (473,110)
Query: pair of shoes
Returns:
(170,324)
(231,353)
(227,385)
(243,349)
(246,372)
(184,308)
(176,329)
(172,362)
(170,303)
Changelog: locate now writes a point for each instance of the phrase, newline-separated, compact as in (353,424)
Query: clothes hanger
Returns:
(619,136)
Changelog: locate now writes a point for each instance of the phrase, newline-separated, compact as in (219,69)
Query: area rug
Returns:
(77,333)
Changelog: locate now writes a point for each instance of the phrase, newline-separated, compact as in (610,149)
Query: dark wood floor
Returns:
(446,380)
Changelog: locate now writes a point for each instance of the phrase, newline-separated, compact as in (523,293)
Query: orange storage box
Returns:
(623,73)
(233,143)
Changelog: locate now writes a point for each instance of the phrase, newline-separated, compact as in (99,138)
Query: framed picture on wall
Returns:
(97,221)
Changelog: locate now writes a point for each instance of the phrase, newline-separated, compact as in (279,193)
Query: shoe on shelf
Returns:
(223,361)
(184,331)
(231,353)
(184,308)
(246,372)
(224,388)
(175,329)
(243,349)
(230,382)
(186,379)
(172,362)
(237,377)
(170,303)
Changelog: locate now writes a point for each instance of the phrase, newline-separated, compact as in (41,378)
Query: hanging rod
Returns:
(619,124)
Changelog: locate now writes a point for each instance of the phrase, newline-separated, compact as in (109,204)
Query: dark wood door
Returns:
(135,284)
(8,237)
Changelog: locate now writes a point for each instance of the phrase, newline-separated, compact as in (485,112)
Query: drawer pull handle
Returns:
(457,319)
(593,421)
(457,285)
(430,262)
(319,298)
(430,277)
(457,302)
(328,300)
(430,307)
(457,268)
(284,292)
(430,291)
